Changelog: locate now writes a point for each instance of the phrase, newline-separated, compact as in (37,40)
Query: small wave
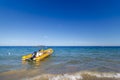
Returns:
(85,75)
(24,74)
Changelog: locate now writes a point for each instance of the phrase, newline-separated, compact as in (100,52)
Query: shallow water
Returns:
(64,60)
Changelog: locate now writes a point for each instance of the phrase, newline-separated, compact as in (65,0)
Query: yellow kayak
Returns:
(45,54)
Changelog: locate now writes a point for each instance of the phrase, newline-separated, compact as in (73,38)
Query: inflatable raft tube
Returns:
(45,54)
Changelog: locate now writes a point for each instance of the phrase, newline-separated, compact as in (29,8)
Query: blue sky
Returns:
(60,22)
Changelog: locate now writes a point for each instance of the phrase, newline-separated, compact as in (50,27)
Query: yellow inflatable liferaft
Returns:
(45,54)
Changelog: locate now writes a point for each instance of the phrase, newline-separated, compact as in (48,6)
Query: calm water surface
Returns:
(63,60)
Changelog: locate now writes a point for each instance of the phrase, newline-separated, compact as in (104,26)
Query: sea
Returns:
(66,63)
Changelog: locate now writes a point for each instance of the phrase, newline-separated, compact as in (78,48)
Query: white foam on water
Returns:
(102,74)
(117,75)
(75,76)
(66,77)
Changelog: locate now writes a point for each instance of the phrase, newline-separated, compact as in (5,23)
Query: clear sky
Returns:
(60,22)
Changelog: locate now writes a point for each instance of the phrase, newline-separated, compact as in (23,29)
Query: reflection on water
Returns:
(35,63)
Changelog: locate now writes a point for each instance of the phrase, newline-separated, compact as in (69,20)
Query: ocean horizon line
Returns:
(56,46)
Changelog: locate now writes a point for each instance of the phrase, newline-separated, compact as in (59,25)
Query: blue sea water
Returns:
(64,59)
